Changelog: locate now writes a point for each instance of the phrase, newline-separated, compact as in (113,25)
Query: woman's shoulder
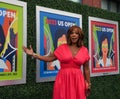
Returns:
(84,47)
(62,46)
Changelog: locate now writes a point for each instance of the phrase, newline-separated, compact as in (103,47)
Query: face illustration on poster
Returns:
(105,59)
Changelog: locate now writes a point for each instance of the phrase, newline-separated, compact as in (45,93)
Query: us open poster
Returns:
(52,26)
(12,27)
(104,47)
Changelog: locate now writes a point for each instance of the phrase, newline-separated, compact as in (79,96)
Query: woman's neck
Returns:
(73,45)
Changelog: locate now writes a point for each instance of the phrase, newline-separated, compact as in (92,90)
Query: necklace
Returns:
(74,52)
(74,49)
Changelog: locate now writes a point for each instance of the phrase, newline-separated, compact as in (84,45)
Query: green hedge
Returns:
(104,87)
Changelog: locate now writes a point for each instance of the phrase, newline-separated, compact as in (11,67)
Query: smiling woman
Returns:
(75,35)
(72,55)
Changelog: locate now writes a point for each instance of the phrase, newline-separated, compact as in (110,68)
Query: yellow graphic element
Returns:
(61,40)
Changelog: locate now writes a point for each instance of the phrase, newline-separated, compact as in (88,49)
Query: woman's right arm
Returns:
(49,58)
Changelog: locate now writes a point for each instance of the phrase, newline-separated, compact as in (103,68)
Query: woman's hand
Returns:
(28,51)
(88,88)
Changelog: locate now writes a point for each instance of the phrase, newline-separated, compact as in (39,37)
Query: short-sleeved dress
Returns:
(70,83)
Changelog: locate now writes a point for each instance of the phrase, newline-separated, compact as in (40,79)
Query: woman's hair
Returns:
(81,35)
(102,38)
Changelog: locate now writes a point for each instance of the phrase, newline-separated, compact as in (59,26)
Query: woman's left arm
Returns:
(86,71)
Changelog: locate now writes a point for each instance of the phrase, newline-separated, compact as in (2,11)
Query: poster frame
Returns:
(23,6)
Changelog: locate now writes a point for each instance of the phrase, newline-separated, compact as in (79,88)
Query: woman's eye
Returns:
(77,33)
(74,33)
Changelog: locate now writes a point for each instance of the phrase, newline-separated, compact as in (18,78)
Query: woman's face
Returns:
(105,47)
(74,36)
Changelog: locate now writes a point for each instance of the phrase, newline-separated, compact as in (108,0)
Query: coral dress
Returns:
(70,83)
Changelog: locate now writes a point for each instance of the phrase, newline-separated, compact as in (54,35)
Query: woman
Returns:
(70,82)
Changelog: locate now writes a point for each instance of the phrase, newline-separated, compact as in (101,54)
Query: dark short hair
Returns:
(81,35)
(102,38)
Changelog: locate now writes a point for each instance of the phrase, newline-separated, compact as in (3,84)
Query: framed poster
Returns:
(51,28)
(12,38)
(104,47)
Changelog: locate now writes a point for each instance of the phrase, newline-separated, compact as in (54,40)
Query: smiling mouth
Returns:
(74,38)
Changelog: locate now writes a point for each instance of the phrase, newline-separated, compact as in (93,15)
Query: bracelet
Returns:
(33,55)
(89,85)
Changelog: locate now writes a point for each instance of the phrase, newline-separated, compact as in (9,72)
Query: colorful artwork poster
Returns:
(104,49)
(11,41)
(52,27)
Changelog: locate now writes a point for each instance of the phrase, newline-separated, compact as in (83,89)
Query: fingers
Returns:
(29,50)
(30,47)
(24,49)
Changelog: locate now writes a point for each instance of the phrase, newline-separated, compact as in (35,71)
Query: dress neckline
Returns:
(73,56)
